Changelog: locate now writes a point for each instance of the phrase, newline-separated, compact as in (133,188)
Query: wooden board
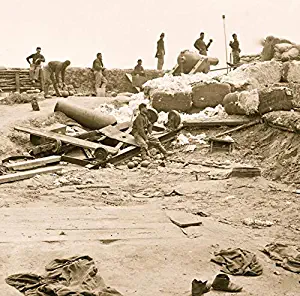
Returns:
(84,224)
(183,219)
(65,139)
(31,164)
(114,133)
(28,174)
(129,77)
(209,123)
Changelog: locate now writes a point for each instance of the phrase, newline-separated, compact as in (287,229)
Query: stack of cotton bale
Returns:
(173,92)
(209,94)
(260,101)
(269,44)
(286,52)
(254,76)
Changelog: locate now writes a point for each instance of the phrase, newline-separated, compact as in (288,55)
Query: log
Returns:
(28,174)
(31,164)
(257,121)
(209,123)
(18,82)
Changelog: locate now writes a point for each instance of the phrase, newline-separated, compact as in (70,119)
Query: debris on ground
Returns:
(256,223)
(238,262)
(285,256)
(74,275)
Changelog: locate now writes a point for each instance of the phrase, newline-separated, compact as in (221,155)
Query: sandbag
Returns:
(283,47)
(254,76)
(242,103)
(283,119)
(231,106)
(291,72)
(209,94)
(269,47)
(275,99)
(180,101)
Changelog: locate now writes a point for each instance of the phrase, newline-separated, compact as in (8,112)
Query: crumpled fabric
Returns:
(286,256)
(76,276)
(238,262)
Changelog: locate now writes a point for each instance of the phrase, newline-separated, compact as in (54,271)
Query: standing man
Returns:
(52,73)
(160,52)
(35,65)
(201,46)
(235,47)
(100,80)
(142,129)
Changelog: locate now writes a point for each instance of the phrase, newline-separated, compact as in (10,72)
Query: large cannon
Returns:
(86,117)
(190,62)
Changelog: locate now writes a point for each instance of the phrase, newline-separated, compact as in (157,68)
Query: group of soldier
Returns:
(54,69)
(142,125)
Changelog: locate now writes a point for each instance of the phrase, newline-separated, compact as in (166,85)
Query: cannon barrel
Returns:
(88,118)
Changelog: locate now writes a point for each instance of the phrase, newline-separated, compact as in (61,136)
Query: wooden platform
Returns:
(85,224)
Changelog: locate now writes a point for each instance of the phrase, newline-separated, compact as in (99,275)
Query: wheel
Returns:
(101,154)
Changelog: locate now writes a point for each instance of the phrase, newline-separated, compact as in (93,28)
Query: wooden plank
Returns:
(28,174)
(31,164)
(174,69)
(257,121)
(17,77)
(114,133)
(194,123)
(65,139)
(198,64)
(129,77)
(183,219)
(84,224)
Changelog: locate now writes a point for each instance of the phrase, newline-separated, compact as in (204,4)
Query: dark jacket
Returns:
(141,126)
(37,58)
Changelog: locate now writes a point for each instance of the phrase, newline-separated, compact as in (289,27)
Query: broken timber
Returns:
(209,123)
(100,150)
(129,77)
(133,151)
(31,164)
(257,121)
(28,174)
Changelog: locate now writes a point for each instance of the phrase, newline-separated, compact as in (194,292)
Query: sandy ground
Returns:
(125,229)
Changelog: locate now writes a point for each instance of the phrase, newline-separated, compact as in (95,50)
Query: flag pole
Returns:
(223,17)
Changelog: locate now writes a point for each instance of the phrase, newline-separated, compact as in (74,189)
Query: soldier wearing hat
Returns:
(142,129)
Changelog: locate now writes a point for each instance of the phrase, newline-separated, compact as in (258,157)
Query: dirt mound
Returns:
(274,150)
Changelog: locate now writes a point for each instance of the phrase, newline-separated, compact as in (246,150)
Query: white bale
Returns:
(254,76)
(283,47)
(291,71)
(293,53)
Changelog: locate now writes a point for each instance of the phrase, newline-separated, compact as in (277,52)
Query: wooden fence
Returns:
(12,80)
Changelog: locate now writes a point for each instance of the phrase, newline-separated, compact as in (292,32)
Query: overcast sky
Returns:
(125,30)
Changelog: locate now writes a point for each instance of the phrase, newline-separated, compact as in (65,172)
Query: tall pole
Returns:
(223,16)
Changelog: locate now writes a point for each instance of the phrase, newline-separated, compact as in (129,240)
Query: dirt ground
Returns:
(124,226)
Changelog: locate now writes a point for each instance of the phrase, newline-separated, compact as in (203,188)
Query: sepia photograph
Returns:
(149,148)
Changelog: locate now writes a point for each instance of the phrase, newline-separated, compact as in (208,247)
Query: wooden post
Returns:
(17,78)
(42,79)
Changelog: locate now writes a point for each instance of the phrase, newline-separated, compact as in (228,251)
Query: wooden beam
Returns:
(194,123)
(28,174)
(32,164)
(129,77)
(66,139)
(257,121)
(17,76)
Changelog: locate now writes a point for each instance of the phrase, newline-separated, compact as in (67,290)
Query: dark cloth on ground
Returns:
(64,277)
(238,262)
(288,257)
